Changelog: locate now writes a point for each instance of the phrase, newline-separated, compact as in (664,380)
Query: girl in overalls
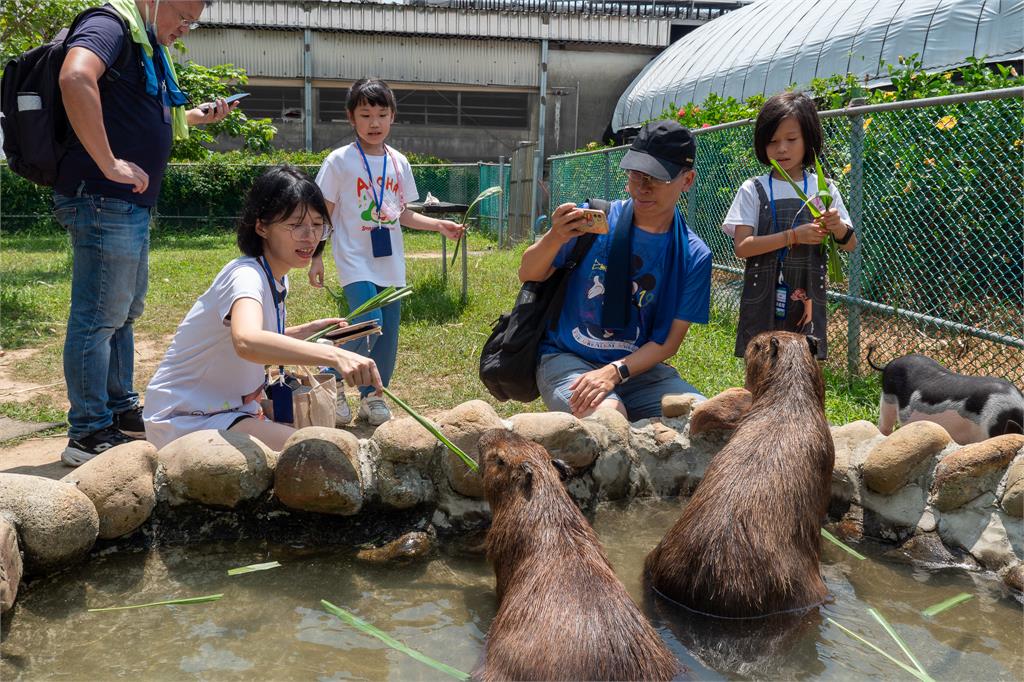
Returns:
(785,277)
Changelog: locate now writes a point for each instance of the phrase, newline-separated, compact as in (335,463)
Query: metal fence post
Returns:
(856,217)
(501,202)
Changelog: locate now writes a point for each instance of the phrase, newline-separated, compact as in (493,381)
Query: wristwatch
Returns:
(846,236)
(623,371)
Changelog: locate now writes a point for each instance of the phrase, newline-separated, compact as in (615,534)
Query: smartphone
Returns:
(594,221)
(354,331)
(233,98)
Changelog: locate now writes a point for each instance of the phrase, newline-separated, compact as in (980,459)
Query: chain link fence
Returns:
(934,189)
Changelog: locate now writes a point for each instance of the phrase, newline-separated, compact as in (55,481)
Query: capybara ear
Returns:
(526,481)
(564,470)
(812,343)
(774,343)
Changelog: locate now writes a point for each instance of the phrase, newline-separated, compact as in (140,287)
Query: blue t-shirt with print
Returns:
(579,329)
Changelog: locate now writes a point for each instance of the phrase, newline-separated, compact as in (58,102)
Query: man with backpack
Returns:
(122,101)
(631,294)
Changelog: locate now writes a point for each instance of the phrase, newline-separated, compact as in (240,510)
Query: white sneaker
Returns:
(342,413)
(374,410)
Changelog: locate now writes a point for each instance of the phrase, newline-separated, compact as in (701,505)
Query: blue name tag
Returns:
(380,241)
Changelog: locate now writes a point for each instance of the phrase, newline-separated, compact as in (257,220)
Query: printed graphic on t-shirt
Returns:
(391,197)
(644,268)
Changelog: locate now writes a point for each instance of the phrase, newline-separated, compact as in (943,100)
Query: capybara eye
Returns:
(501,462)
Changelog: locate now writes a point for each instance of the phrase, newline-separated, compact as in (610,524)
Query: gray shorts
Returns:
(641,395)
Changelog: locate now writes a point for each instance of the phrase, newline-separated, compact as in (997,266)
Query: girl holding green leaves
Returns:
(777,232)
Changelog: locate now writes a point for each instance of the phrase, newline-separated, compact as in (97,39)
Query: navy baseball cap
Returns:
(663,150)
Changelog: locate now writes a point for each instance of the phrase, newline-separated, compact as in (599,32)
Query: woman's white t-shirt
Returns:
(202,383)
(344,182)
(746,207)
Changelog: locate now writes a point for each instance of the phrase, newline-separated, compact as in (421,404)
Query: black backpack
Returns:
(35,126)
(508,362)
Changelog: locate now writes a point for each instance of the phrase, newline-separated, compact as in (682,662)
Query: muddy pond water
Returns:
(269,624)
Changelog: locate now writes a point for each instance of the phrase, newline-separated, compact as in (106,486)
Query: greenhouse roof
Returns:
(771,44)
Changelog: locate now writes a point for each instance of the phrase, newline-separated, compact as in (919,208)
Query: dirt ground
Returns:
(40,456)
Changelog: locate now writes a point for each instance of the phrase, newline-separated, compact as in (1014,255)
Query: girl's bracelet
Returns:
(790,238)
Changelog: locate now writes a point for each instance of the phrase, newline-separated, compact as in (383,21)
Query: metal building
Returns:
(469,75)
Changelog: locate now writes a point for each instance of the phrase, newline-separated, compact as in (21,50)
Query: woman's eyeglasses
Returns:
(320,232)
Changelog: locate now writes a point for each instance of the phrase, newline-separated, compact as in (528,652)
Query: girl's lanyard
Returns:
(279,309)
(781,289)
(379,201)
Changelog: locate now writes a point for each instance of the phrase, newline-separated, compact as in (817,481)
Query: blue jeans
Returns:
(110,246)
(641,395)
(382,349)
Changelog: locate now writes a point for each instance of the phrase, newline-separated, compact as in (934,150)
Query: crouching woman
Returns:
(214,372)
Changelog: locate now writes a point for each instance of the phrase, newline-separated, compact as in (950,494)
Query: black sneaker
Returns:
(130,422)
(80,451)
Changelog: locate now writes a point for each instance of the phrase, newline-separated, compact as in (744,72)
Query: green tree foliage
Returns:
(25,24)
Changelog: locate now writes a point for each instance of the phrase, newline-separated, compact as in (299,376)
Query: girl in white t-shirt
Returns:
(367,185)
(214,372)
(784,279)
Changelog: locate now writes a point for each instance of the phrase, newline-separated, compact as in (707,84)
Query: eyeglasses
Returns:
(645,180)
(321,232)
(185,22)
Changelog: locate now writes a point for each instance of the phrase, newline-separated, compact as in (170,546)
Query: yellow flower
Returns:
(1018,143)
(909,188)
(929,162)
(946,123)
(948,75)
(897,164)
(846,169)
(867,122)
(890,95)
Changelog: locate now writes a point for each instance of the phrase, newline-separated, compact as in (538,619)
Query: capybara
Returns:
(970,408)
(562,612)
(747,543)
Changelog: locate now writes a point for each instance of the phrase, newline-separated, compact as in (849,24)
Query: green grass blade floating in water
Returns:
(924,677)
(936,609)
(169,602)
(361,625)
(486,194)
(434,430)
(252,568)
(839,543)
(899,640)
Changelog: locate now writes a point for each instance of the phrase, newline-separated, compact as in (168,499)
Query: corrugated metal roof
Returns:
(439,21)
(350,56)
(765,47)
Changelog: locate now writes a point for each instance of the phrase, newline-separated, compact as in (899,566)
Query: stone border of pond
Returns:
(937,502)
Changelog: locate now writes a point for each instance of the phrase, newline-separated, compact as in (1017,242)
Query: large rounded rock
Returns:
(973,469)
(404,440)
(10,565)
(217,468)
(403,486)
(318,471)
(678,404)
(1013,493)
(120,484)
(564,436)
(722,412)
(56,522)
(610,430)
(463,425)
(891,463)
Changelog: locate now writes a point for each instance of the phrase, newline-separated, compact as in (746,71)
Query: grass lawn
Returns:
(440,338)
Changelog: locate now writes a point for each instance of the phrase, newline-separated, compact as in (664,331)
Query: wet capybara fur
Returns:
(562,612)
(748,542)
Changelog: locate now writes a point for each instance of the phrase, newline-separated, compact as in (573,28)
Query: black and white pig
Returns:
(971,409)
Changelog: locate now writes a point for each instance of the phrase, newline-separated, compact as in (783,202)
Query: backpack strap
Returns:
(113,71)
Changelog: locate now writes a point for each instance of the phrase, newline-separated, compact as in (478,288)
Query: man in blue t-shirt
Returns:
(107,184)
(632,297)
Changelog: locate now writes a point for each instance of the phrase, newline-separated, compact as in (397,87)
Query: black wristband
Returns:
(846,237)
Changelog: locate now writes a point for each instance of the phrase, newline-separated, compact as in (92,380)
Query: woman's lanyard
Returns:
(379,201)
(279,310)
(775,217)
